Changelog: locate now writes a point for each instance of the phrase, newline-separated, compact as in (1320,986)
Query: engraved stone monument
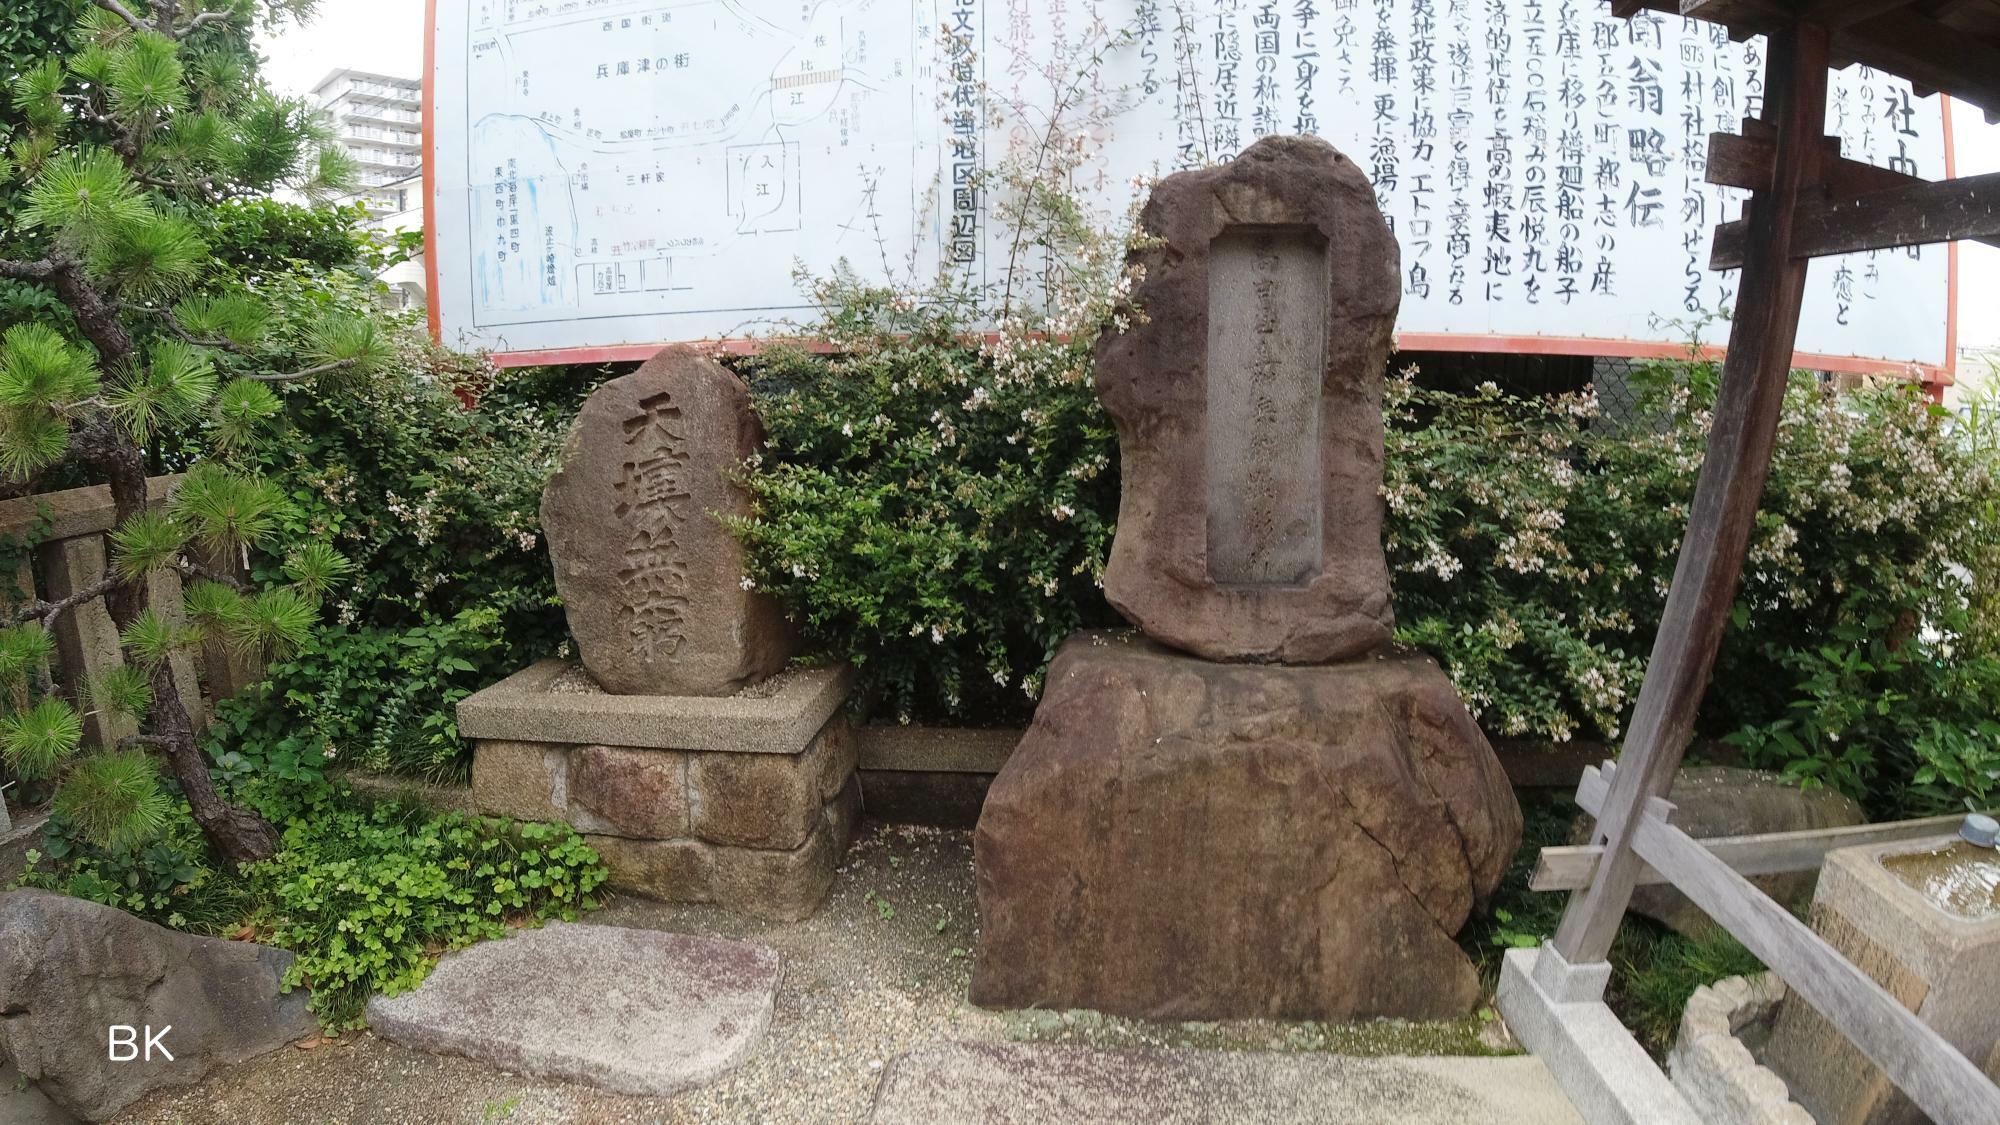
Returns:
(651,580)
(1257,808)
(1249,414)
(698,766)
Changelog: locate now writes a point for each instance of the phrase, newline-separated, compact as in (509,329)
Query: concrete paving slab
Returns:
(968,1083)
(629,1011)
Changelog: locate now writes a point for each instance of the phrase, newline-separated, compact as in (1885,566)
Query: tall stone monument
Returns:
(1257,807)
(696,775)
(651,581)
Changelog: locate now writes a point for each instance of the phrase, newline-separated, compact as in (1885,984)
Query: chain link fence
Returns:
(1528,376)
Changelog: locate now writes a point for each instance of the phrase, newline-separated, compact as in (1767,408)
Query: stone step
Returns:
(966,1083)
(630,1011)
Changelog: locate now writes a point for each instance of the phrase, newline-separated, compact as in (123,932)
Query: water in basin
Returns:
(1962,878)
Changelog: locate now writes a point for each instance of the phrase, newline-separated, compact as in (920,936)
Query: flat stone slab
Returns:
(1005,1083)
(556,701)
(630,1011)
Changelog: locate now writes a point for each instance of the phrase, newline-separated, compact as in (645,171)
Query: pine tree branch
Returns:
(188,568)
(316,369)
(123,13)
(175,326)
(49,612)
(132,740)
(39,270)
(199,21)
(164,19)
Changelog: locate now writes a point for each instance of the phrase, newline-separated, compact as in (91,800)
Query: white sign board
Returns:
(609,174)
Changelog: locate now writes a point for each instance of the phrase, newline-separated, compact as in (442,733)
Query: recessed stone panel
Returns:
(1266,362)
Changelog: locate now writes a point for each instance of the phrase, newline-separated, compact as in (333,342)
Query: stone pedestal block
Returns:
(1181,839)
(1942,965)
(746,801)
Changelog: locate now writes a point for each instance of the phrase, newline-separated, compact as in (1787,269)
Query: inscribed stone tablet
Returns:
(651,580)
(1248,400)
(1267,353)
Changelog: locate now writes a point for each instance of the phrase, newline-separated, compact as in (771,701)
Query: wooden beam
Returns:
(1763,853)
(1761,337)
(1937,1077)
(1912,215)
(1754,16)
(1837,14)
(1904,211)
(1928,53)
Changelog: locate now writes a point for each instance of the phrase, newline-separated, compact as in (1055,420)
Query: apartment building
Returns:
(379,120)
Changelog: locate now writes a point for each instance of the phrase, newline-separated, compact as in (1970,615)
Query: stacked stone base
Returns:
(722,813)
(1181,839)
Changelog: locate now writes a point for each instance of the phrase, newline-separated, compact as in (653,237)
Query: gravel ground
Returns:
(880,969)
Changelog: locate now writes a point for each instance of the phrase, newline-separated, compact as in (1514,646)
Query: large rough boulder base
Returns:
(630,1011)
(70,969)
(1248,406)
(1181,839)
(650,578)
(1712,801)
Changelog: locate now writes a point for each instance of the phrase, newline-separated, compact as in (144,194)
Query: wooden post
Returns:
(1754,371)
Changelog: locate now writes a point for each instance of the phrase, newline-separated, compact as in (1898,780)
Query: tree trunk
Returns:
(241,836)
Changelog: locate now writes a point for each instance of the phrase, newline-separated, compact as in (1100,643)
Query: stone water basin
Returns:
(1962,878)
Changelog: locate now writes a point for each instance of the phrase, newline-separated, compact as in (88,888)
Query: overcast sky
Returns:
(387,36)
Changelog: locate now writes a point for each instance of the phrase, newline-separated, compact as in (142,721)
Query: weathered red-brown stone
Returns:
(1182,839)
(1248,407)
(628,791)
(651,580)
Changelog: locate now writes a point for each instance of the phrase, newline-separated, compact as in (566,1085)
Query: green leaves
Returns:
(114,799)
(276,621)
(31,440)
(146,542)
(233,316)
(241,411)
(23,649)
(36,92)
(41,369)
(315,567)
(151,638)
(123,690)
(85,193)
(148,257)
(271,622)
(355,340)
(176,382)
(225,511)
(145,78)
(39,739)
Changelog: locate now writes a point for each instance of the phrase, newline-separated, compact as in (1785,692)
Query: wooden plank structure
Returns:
(1806,201)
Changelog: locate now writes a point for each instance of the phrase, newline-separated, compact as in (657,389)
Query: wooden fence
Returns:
(56,543)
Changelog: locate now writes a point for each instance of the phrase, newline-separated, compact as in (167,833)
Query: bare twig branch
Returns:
(154,740)
(123,13)
(191,569)
(49,612)
(39,270)
(175,326)
(199,21)
(316,369)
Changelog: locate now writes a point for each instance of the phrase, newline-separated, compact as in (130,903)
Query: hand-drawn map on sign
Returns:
(609,175)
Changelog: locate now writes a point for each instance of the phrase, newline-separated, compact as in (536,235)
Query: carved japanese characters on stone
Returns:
(651,580)
(1249,410)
